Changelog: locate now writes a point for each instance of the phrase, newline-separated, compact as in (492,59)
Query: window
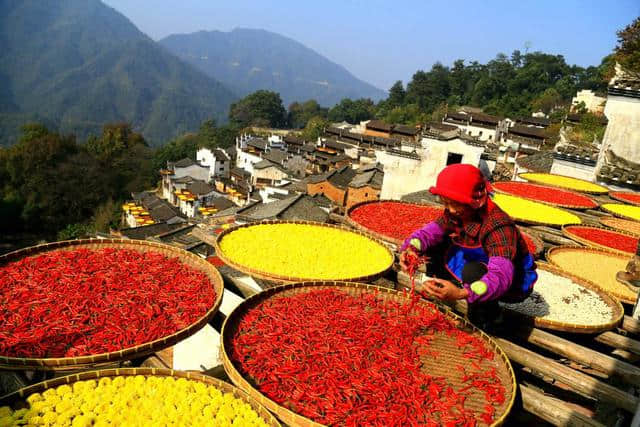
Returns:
(453,158)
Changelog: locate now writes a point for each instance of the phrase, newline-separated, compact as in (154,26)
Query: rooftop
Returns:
(183,163)
(200,188)
(406,130)
(540,162)
(379,125)
(276,156)
(528,131)
(297,207)
(144,231)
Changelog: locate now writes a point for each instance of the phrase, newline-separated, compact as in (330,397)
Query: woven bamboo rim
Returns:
(549,188)
(374,234)
(19,395)
(291,418)
(534,222)
(539,244)
(606,190)
(614,196)
(620,297)
(593,244)
(541,322)
(619,215)
(83,362)
(279,278)
(614,224)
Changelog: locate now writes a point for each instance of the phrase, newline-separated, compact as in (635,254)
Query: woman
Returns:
(475,250)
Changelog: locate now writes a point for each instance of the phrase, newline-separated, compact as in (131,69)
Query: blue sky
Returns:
(384,41)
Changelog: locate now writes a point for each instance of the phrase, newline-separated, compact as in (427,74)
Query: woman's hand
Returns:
(444,290)
(405,256)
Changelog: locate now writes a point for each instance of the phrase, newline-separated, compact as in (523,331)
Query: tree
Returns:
(260,107)
(315,127)
(428,89)
(352,111)
(301,113)
(396,95)
(547,101)
(627,52)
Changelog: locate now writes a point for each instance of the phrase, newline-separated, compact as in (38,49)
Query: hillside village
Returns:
(284,177)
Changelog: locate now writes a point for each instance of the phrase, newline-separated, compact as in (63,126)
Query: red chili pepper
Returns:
(345,360)
(394,219)
(608,238)
(82,302)
(545,194)
(629,197)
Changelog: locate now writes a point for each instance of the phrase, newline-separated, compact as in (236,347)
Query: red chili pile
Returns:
(394,219)
(83,302)
(629,197)
(608,238)
(530,243)
(545,194)
(339,359)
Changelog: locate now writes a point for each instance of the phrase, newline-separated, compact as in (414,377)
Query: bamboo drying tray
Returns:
(567,232)
(88,361)
(541,322)
(626,225)
(621,215)
(524,176)
(594,205)
(534,222)
(445,346)
(282,279)
(18,397)
(618,195)
(622,297)
(375,234)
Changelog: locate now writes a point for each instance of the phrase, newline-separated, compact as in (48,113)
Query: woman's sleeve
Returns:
(425,238)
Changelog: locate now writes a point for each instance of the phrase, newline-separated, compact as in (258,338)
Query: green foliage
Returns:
(314,128)
(547,101)
(589,129)
(352,111)
(261,108)
(396,95)
(106,216)
(301,113)
(627,52)
(75,231)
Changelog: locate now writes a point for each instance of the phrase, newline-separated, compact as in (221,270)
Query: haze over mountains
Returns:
(77,64)
(247,60)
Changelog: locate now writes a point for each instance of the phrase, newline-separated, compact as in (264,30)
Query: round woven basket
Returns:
(373,233)
(18,397)
(527,177)
(447,347)
(282,279)
(619,196)
(619,224)
(534,222)
(605,208)
(567,232)
(559,249)
(617,311)
(85,362)
(594,205)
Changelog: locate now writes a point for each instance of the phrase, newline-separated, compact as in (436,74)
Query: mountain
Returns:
(247,60)
(77,64)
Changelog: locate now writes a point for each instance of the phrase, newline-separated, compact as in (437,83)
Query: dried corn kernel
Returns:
(529,211)
(305,251)
(564,182)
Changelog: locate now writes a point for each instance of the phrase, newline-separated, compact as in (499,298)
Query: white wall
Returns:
(574,170)
(405,175)
(593,103)
(623,131)
(272,173)
(194,171)
(246,161)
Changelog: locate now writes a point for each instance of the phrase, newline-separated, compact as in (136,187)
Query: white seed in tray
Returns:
(560,299)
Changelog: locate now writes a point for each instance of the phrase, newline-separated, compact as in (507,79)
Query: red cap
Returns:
(462,183)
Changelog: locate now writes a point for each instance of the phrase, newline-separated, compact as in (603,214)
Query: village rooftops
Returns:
(199,188)
(485,118)
(379,125)
(535,121)
(372,178)
(308,148)
(293,140)
(297,207)
(258,143)
(221,203)
(457,117)
(527,131)
(406,130)
(183,179)
(144,231)
(540,162)
(336,145)
(221,154)
(183,163)
(625,87)
(276,156)
(240,173)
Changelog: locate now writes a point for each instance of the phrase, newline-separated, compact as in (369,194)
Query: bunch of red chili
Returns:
(394,219)
(545,194)
(82,302)
(629,197)
(608,238)
(345,360)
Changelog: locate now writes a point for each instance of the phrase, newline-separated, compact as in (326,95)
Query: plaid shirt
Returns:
(492,229)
